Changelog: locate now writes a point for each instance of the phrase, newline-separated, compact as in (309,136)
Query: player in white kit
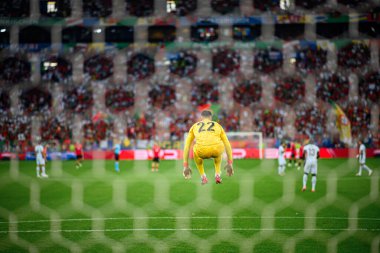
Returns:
(281,159)
(311,154)
(40,159)
(361,156)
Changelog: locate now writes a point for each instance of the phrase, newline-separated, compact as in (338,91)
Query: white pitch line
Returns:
(193,217)
(184,229)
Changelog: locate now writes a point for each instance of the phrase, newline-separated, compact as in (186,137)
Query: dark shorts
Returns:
(293,155)
(79,157)
(116,157)
(156,159)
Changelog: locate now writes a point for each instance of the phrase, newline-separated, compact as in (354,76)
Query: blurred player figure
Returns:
(299,155)
(79,154)
(362,156)
(311,155)
(117,149)
(281,159)
(292,154)
(211,141)
(40,159)
(156,156)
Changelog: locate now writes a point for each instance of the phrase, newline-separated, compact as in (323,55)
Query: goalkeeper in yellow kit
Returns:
(210,142)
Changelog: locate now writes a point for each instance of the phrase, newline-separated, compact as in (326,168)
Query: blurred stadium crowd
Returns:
(119,99)
(60,92)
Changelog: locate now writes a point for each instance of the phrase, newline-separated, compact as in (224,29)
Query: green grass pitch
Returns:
(95,209)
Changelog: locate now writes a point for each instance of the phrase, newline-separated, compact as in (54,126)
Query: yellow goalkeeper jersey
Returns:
(207,133)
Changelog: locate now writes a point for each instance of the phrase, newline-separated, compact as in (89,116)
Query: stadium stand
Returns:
(215,69)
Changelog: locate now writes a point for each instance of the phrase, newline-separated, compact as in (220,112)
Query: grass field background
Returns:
(95,209)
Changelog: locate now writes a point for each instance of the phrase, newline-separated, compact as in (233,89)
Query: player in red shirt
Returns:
(292,154)
(156,157)
(79,154)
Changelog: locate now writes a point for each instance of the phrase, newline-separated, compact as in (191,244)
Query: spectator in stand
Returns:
(140,66)
(309,4)
(354,55)
(229,120)
(183,64)
(180,124)
(120,98)
(78,99)
(369,86)
(289,90)
(140,8)
(56,69)
(36,100)
(270,121)
(97,131)
(98,67)
(267,60)
(266,5)
(310,120)
(55,128)
(247,92)
(145,126)
(311,58)
(14,69)
(225,61)
(162,96)
(332,86)
(5,102)
(350,3)
(224,6)
(359,114)
(204,93)
(16,129)
(15,8)
(97,8)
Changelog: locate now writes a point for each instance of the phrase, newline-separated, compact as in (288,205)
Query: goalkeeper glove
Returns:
(186,171)
(229,169)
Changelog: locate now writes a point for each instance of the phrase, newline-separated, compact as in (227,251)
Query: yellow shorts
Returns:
(206,152)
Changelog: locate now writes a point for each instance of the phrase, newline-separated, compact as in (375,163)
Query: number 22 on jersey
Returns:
(210,127)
